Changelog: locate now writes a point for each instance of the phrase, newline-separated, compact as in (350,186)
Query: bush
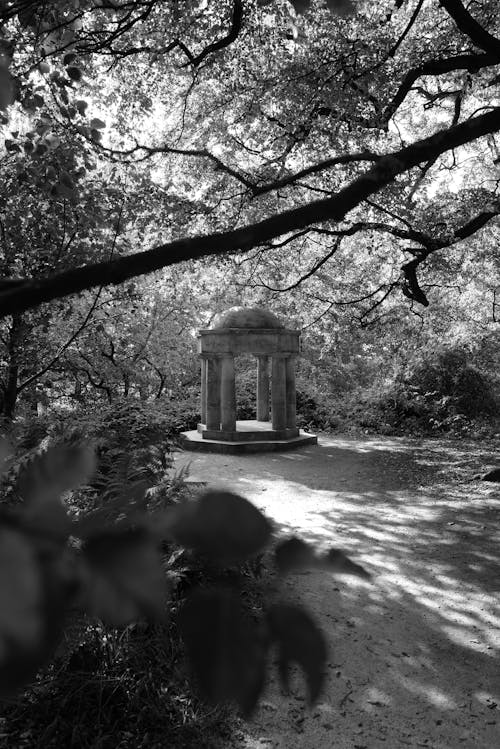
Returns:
(449,374)
(246,388)
(312,414)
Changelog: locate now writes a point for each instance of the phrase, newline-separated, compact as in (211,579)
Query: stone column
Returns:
(278,393)
(213,393)
(291,395)
(228,395)
(203,410)
(262,388)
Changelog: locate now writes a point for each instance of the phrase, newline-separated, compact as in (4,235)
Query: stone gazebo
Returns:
(242,330)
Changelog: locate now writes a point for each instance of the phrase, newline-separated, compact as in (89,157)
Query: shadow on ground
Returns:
(415,656)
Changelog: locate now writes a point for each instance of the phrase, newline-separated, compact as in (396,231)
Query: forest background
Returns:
(335,162)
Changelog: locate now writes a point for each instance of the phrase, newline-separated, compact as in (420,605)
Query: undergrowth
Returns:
(113,687)
(110,689)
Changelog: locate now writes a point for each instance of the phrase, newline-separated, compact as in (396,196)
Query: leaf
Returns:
(66,180)
(226,649)
(294,554)
(27,16)
(74,73)
(299,640)
(35,590)
(53,141)
(81,105)
(41,149)
(97,124)
(301,6)
(223,526)
(20,592)
(126,579)
(336,561)
(11,145)
(47,476)
(21,624)
(43,126)
(63,191)
(341,8)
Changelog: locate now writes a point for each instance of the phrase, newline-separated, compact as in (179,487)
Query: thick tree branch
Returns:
(406,31)
(225,41)
(31,293)
(476,223)
(471,63)
(471,28)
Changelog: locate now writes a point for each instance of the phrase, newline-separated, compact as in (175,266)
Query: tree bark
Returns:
(10,390)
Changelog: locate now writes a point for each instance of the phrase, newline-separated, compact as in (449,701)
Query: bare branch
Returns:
(310,272)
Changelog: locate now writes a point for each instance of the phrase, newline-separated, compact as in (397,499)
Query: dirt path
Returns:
(415,656)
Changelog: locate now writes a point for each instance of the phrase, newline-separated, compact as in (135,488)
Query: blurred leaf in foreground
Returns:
(223,526)
(294,554)
(21,618)
(226,649)
(125,576)
(61,467)
(299,640)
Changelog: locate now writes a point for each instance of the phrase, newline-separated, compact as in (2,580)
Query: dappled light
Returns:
(424,634)
(227,228)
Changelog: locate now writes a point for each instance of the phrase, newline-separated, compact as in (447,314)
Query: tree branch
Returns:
(310,272)
(225,41)
(63,348)
(471,63)
(31,293)
(471,28)
(314,169)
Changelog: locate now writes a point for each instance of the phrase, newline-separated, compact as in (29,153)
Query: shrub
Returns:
(448,379)
(246,388)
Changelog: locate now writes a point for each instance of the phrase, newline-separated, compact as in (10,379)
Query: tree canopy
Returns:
(160,132)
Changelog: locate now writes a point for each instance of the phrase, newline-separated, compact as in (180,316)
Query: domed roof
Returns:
(246,317)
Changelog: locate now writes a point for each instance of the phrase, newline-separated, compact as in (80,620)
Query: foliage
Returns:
(335,161)
(111,569)
(448,374)
(110,687)
(278,119)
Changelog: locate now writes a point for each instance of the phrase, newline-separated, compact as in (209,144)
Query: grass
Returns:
(112,688)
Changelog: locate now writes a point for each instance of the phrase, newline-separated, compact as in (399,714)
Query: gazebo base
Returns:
(250,437)
(249,431)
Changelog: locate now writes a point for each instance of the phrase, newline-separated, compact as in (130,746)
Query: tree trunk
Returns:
(10,392)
